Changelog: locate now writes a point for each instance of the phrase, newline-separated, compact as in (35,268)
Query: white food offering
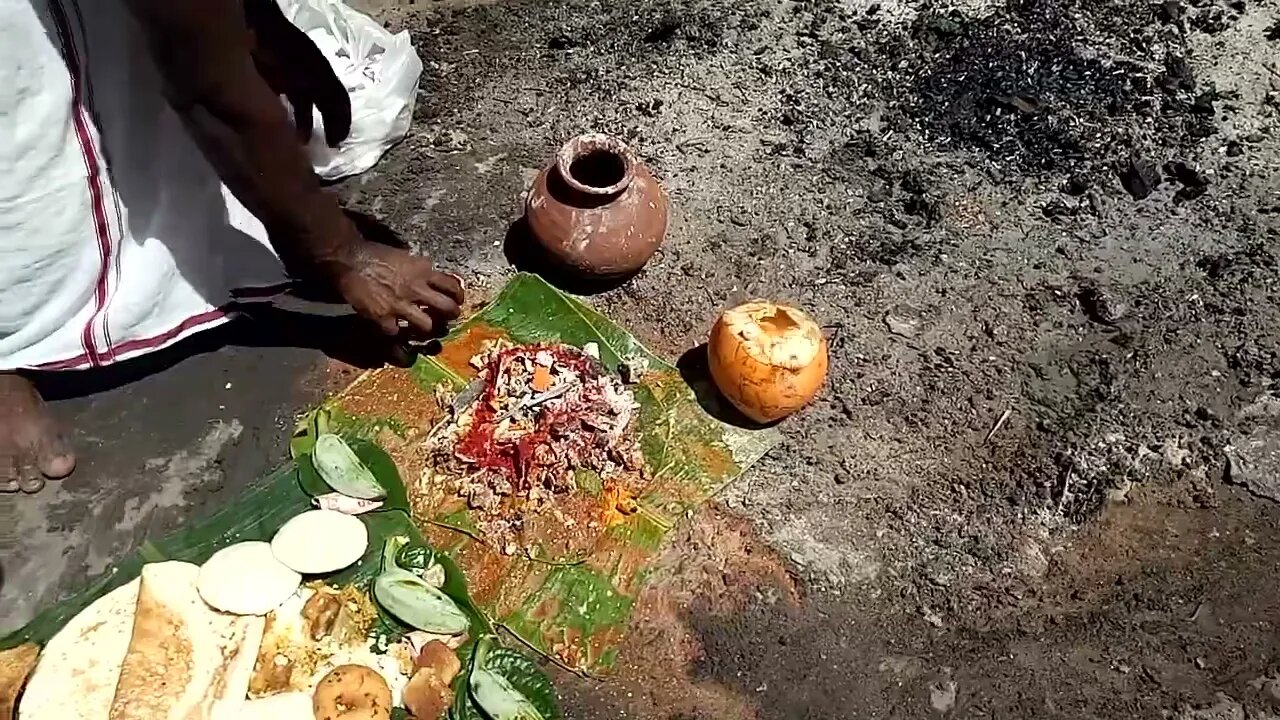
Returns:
(246,579)
(321,541)
(288,643)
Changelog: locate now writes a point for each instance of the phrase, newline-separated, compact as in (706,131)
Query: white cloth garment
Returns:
(116,236)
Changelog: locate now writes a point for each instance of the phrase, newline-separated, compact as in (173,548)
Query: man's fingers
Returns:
(441,306)
(419,322)
(302,117)
(389,324)
(325,88)
(448,284)
(334,104)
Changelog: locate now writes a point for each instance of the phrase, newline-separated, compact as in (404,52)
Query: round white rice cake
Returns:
(246,579)
(319,542)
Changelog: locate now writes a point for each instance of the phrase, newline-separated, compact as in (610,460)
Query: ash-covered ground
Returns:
(1061,213)
(1042,235)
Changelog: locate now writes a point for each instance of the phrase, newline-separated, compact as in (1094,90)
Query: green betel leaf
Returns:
(464,708)
(412,600)
(416,558)
(374,458)
(342,469)
(506,685)
(525,676)
(309,478)
(412,555)
(311,426)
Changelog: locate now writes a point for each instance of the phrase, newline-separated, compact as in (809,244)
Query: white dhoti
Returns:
(116,236)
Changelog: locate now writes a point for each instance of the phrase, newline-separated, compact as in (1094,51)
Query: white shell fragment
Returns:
(345,505)
(246,579)
(434,575)
(418,639)
(319,542)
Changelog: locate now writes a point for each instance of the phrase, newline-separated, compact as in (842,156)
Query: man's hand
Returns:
(212,68)
(294,67)
(401,293)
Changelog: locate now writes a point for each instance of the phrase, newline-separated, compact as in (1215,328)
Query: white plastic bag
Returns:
(380,71)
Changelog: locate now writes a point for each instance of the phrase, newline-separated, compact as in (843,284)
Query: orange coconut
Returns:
(769,360)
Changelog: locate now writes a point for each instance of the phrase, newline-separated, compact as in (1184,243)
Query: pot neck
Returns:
(596,166)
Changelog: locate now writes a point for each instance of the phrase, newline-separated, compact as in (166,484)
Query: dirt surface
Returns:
(159,441)
(1041,236)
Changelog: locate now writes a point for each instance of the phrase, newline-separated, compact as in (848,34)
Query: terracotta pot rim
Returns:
(592,142)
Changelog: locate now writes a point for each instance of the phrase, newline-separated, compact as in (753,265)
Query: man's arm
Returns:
(204,53)
(203,49)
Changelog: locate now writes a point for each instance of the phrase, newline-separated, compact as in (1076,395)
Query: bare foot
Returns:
(32,447)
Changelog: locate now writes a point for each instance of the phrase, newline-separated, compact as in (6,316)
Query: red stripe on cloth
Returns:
(142,344)
(90,104)
(93,170)
(192,323)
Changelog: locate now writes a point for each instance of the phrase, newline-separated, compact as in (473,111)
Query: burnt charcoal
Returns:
(1170,12)
(664,32)
(1177,75)
(1100,305)
(1187,194)
(1203,104)
(1186,175)
(560,42)
(651,107)
(1210,21)
(1077,185)
(1057,207)
(1140,177)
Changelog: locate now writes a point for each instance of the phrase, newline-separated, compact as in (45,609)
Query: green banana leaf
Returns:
(574,609)
(569,603)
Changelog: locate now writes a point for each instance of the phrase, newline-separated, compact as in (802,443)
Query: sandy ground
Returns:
(1042,235)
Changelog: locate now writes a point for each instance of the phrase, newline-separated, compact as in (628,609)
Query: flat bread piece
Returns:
(16,665)
(76,675)
(185,660)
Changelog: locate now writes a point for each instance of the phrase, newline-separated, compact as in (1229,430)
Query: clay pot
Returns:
(596,210)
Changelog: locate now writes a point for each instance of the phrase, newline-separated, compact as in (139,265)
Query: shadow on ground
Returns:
(526,255)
